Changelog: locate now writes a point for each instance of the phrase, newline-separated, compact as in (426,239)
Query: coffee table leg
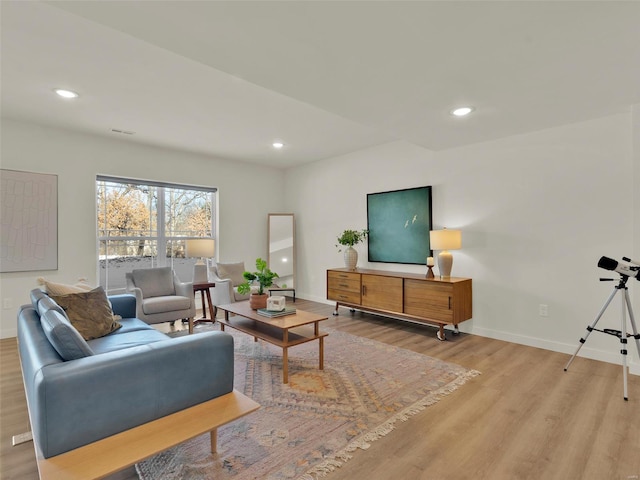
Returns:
(321,355)
(214,440)
(285,365)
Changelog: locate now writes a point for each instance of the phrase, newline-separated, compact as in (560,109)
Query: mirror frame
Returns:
(293,235)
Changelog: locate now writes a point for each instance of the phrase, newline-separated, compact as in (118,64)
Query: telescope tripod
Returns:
(622,333)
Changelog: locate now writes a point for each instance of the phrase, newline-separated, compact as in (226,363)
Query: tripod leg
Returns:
(634,329)
(591,327)
(623,343)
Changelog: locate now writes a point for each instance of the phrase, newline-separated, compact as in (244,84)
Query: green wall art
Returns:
(399,222)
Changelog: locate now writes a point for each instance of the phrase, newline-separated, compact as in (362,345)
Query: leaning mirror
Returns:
(282,251)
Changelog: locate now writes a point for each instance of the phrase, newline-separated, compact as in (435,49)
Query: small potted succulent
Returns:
(264,277)
(348,239)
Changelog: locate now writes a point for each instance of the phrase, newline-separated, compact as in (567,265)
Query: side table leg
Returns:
(321,355)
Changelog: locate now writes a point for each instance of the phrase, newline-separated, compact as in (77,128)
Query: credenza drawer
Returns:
(343,296)
(344,284)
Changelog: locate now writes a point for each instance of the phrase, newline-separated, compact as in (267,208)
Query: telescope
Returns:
(629,269)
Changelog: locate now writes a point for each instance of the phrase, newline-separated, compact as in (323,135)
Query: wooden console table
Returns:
(407,296)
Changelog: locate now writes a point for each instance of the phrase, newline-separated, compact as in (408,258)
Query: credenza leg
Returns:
(441,335)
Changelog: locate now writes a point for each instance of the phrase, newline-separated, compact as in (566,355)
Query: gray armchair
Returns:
(227,277)
(160,296)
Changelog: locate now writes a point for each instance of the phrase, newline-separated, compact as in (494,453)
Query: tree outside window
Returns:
(138,220)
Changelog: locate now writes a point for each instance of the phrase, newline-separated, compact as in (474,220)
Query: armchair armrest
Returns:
(223,293)
(183,289)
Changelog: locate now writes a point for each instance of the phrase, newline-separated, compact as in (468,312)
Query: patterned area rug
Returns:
(313,425)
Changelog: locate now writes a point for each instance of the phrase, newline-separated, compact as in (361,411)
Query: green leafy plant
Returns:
(264,276)
(349,238)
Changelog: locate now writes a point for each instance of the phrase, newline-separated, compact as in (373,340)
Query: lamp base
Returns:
(200,273)
(445,262)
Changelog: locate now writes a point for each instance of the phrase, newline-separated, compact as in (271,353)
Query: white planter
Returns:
(350,258)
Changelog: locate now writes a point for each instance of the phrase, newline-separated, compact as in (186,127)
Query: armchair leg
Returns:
(190,325)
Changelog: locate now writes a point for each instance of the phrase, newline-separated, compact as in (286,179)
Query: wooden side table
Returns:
(203,288)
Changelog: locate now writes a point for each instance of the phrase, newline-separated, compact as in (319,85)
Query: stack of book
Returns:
(288,310)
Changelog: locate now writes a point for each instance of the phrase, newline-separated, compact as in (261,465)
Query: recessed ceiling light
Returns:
(462,111)
(66,93)
(277,144)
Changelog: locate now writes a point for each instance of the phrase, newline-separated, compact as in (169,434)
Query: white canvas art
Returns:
(28,221)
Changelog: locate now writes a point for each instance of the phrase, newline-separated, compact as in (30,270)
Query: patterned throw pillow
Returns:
(89,312)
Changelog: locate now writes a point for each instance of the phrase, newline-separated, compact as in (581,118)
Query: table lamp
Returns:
(200,248)
(445,240)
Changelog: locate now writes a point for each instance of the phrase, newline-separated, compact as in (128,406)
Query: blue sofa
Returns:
(129,377)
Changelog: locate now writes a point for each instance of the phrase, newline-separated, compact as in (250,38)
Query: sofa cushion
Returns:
(132,325)
(232,271)
(53,288)
(46,303)
(89,312)
(154,282)
(120,341)
(63,336)
(36,295)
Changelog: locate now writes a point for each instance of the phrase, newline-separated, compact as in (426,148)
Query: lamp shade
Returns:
(200,247)
(445,239)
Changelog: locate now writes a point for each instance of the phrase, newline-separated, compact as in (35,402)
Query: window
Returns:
(144,224)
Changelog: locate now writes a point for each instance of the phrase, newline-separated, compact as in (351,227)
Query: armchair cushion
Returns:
(89,312)
(232,271)
(154,282)
(165,304)
(65,339)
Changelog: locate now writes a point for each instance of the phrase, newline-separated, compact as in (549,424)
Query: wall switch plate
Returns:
(543,310)
(7,303)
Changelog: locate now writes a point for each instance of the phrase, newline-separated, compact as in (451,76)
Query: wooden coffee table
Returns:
(278,331)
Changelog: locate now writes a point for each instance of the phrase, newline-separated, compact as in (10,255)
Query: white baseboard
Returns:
(585,351)
(594,354)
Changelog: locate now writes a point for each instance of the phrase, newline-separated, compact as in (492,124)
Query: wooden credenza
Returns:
(404,295)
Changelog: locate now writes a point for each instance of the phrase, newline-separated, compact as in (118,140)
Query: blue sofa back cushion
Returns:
(63,336)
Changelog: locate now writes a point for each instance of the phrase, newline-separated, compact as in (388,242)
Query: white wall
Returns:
(537,211)
(78,158)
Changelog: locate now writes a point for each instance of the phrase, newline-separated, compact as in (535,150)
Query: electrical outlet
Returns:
(7,303)
(543,310)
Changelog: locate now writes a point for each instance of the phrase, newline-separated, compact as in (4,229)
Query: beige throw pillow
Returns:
(53,288)
(233,271)
(89,312)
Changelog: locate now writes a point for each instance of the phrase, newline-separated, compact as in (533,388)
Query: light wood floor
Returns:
(523,418)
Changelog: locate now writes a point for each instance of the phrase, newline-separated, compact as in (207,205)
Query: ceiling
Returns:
(326,77)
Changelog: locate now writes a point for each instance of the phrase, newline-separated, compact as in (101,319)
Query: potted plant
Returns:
(264,276)
(349,238)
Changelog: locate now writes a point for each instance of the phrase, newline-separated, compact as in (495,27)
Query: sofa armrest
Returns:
(84,400)
(123,305)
